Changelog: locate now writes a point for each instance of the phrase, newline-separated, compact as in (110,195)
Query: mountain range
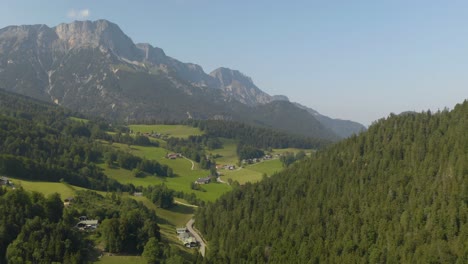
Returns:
(96,69)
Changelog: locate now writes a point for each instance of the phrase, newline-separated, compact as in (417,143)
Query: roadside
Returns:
(197,236)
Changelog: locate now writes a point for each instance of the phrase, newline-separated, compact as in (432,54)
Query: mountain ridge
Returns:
(91,60)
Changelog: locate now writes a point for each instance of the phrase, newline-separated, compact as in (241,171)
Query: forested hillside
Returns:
(395,194)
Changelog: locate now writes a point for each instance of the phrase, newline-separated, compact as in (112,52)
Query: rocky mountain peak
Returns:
(100,33)
(227,76)
(152,54)
(280,97)
(240,87)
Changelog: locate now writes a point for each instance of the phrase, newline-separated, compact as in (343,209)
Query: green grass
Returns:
(179,131)
(269,167)
(253,172)
(106,259)
(242,176)
(46,188)
(125,177)
(77,119)
(181,167)
(170,219)
(64,189)
(228,152)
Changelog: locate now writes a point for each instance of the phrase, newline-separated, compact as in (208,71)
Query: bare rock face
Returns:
(100,33)
(240,87)
(94,68)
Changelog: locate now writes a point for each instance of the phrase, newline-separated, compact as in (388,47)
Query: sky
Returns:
(355,60)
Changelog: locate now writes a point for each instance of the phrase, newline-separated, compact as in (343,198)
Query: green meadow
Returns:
(77,119)
(182,168)
(114,259)
(179,131)
(46,188)
(228,154)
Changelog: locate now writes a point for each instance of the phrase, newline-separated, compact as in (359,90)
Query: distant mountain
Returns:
(342,128)
(240,87)
(94,68)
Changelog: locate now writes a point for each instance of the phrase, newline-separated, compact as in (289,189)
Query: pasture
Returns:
(179,131)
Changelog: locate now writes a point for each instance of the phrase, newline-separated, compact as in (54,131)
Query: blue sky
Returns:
(358,60)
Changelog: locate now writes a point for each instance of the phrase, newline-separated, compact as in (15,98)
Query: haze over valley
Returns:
(334,132)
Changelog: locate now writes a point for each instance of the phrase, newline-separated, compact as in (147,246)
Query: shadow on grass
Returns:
(182,209)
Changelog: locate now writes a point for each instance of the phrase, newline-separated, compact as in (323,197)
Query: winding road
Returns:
(197,236)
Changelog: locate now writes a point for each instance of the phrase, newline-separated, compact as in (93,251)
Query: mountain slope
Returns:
(240,87)
(394,194)
(94,68)
(342,128)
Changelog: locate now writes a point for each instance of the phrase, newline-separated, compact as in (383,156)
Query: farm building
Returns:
(203,180)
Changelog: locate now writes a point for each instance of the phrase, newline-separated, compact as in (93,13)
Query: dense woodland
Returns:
(34,230)
(39,141)
(395,194)
(256,136)
(38,229)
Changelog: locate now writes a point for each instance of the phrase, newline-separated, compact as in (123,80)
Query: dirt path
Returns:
(193,163)
(197,236)
(186,204)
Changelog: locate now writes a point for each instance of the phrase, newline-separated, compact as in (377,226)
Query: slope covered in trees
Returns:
(395,194)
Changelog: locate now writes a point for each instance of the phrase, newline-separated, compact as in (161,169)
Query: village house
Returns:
(173,155)
(181,230)
(87,224)
(68,201)
(188,240)
(4,181)
(205,180)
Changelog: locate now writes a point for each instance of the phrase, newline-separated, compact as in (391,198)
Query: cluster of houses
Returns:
(173,156)
(226,167)
(186,238)
(257,160)
(154,135)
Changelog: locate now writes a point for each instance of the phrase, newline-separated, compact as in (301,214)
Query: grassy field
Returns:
(228,153)
(106,259)
(77,119)
(182,167)
(268,167)
(179,131)
(46,188)
(125,176)
(253,172)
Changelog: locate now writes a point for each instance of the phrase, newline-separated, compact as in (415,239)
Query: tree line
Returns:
(394,194)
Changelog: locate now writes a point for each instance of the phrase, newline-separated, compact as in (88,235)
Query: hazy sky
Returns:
(358,60)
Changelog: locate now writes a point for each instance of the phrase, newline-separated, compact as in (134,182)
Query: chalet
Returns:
(4,181)
(87,224)
(188,240)
(181,230)
(68,201)
(203,180)
(173,155)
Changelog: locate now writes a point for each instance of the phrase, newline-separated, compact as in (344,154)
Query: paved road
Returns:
(197,236)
